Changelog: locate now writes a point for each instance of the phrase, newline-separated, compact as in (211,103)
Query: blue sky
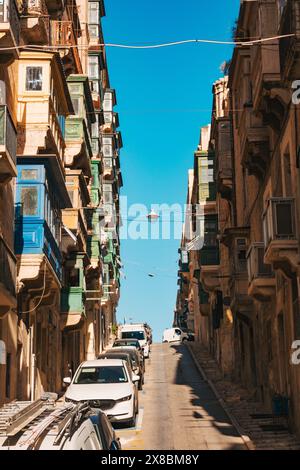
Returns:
(164,97)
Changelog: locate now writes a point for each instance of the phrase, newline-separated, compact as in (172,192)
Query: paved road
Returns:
(178,410)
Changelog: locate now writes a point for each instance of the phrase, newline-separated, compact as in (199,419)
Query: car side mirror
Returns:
(135,378)
(67,380)
(114,446)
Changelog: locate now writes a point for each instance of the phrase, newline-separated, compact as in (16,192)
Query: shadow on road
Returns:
(208,411)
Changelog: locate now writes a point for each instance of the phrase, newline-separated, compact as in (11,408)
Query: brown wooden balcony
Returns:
(62,34)
(290,47)
(224,158)
(9,27)
(260,275)
(280,234)
(265,70)
(8,274)
(8,146)
(35,22)
(254,139)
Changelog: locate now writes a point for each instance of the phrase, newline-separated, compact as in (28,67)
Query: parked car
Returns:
(171,335)
(128,342)
(137,359)
(107,384)
(47,425)
(135,332)
(105,431)
(124,356)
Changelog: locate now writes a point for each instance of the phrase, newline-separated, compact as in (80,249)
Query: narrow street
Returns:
(178,410)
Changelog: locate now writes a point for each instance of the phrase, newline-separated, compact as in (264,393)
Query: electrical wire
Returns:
(42,296)
(151,46)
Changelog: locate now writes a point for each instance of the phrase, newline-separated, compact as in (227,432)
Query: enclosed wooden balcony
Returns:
(290,46)
(63,34)
(265,70)
(10,27)
(224,158)
(8,146)
(280,234)
(35,22)
(260,275)
(8,275)
(203,301)
(254,138)
(73,292)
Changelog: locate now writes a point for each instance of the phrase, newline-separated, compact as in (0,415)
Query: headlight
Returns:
(124,399)
(69,400)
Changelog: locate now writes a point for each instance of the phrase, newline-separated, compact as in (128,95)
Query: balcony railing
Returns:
(279,221)
(8,271)
(9,19)
(255,262)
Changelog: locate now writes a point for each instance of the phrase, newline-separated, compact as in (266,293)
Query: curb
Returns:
(246,439)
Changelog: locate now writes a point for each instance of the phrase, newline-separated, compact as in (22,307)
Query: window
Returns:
(29,200)
(34,79)
(75,103)
(94,17)
(241,255)
(94,68)
(72,277)
(101,375)
(29,175)
(140,335)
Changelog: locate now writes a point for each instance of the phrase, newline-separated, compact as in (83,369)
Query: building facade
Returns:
(249,288)
(60,255)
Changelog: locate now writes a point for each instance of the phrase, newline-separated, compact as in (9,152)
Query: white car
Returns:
(174,334)
(136,332)
(107,384)
(45,424)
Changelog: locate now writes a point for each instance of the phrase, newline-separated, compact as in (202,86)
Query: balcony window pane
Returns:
(73,277)
(94,13)
(107,162)
(263,269)
(29,200)
(2,125)
(94,69)
(94,30)
(284,220)
(34,78)
(29,175)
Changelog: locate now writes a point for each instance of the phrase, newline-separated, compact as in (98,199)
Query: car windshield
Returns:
(127,342)
(133,334)
(101,375)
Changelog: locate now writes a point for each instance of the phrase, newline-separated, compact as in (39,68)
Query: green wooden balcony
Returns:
(72,300)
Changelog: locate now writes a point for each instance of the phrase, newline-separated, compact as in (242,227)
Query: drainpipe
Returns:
(233,205)
(32,366)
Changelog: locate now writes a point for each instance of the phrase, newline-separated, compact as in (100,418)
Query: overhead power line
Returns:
(250,42)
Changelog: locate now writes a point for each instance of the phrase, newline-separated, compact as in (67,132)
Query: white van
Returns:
(171,335)
(138,332)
